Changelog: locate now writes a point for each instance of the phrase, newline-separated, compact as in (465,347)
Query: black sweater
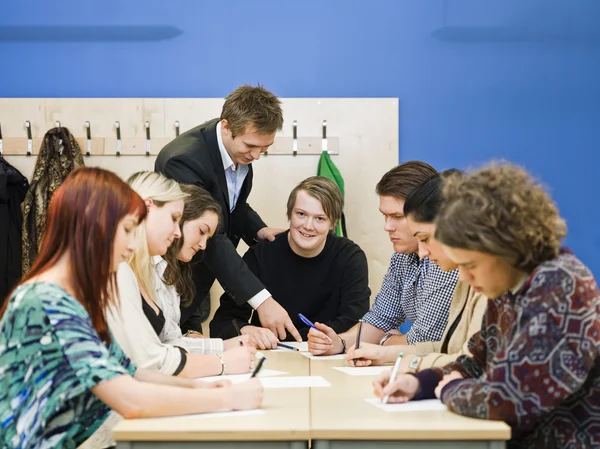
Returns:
(331,288)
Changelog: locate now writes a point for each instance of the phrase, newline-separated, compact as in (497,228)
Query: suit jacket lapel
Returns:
(215,155)
(247,185)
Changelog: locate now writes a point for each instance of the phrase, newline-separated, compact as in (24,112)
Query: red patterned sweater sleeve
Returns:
(542,345)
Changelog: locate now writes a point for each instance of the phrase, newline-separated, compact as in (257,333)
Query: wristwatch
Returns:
(414,364)
(385,338)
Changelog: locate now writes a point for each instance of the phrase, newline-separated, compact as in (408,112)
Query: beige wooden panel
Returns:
(102,113)
(286,417)
(190,112)
(341,413)
(14,112)
(365,132)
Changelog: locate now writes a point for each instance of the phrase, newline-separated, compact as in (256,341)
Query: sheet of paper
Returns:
(323,357)
(294,382)
(239,378)
(220,414)
(427,405)
(363,371)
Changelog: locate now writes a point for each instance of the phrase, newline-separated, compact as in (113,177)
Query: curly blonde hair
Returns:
(501,210)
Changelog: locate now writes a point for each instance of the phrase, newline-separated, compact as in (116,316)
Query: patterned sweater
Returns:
(536,362)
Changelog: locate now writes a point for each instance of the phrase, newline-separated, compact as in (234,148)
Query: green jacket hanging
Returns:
(328,170)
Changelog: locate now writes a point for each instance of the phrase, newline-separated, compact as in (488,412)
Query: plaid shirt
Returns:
(416,289)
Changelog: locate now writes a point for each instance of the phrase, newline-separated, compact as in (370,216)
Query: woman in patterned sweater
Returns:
(61,371)
(535,364)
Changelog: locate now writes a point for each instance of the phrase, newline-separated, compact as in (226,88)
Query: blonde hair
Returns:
(323,189)
(161,190)
(501,210)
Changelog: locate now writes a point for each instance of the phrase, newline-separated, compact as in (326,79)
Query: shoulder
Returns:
(345,250)
(402,263)
(46,298)
(437,275)
(125,273)
(265,248)
(127,283)
(562,277)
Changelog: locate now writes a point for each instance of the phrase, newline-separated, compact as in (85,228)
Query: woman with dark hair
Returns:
(535,364)
(61,372)
(175,286)
(466,309)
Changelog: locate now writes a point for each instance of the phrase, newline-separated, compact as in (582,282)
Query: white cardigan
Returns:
(134,333)
(168,301)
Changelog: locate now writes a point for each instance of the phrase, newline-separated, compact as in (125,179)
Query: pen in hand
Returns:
(358,332)
(237,329)
(393,376)
(311,324)
(258,367)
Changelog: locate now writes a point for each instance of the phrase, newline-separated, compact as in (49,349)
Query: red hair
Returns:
(82,222)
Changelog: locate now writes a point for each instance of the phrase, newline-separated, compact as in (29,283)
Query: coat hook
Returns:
(29,139)
(295,138)
(147,125)
(324,142)
(88,135)
(177,128)
(118,129)
(0,139)
(60,142)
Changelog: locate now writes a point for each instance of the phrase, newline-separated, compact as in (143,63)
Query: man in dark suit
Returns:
(217,155)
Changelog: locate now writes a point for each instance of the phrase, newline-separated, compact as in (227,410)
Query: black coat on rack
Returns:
(13,187)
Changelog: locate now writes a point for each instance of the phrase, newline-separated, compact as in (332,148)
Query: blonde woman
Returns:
(137,323)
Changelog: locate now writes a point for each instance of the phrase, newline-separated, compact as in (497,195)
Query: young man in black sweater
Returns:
(307,268)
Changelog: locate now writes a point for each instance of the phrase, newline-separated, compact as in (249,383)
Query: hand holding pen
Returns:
(322,340)
(391,388)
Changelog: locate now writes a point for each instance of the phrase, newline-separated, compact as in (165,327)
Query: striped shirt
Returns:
(417,290)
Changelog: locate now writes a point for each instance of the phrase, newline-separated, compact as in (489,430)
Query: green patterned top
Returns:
(50,358)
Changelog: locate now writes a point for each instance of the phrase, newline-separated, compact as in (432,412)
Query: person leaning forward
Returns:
(218,156)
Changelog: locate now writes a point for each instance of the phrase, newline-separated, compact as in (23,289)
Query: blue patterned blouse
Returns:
(50,358)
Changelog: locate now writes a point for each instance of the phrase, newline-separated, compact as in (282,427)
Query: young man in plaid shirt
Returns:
(414,289)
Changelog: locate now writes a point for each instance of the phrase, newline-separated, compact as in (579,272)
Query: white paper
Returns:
(294,382)
(363,370)
(239,378)
(219,414)
(323,357)
(427,405)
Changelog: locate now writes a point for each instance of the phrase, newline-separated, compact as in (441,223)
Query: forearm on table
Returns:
(157,378)
(369,334)
(198,365)
(133,399)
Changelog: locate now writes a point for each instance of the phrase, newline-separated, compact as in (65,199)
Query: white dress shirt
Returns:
(235,177)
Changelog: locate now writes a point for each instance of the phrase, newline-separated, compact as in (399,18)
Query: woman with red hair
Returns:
(61,373)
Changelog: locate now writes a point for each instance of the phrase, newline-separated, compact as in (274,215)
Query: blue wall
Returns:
(516,79)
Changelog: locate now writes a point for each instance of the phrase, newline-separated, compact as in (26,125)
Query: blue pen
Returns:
(281,345)
(311,324)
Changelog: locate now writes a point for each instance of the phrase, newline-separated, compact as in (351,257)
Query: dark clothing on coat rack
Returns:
(13,187)
(59,155)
